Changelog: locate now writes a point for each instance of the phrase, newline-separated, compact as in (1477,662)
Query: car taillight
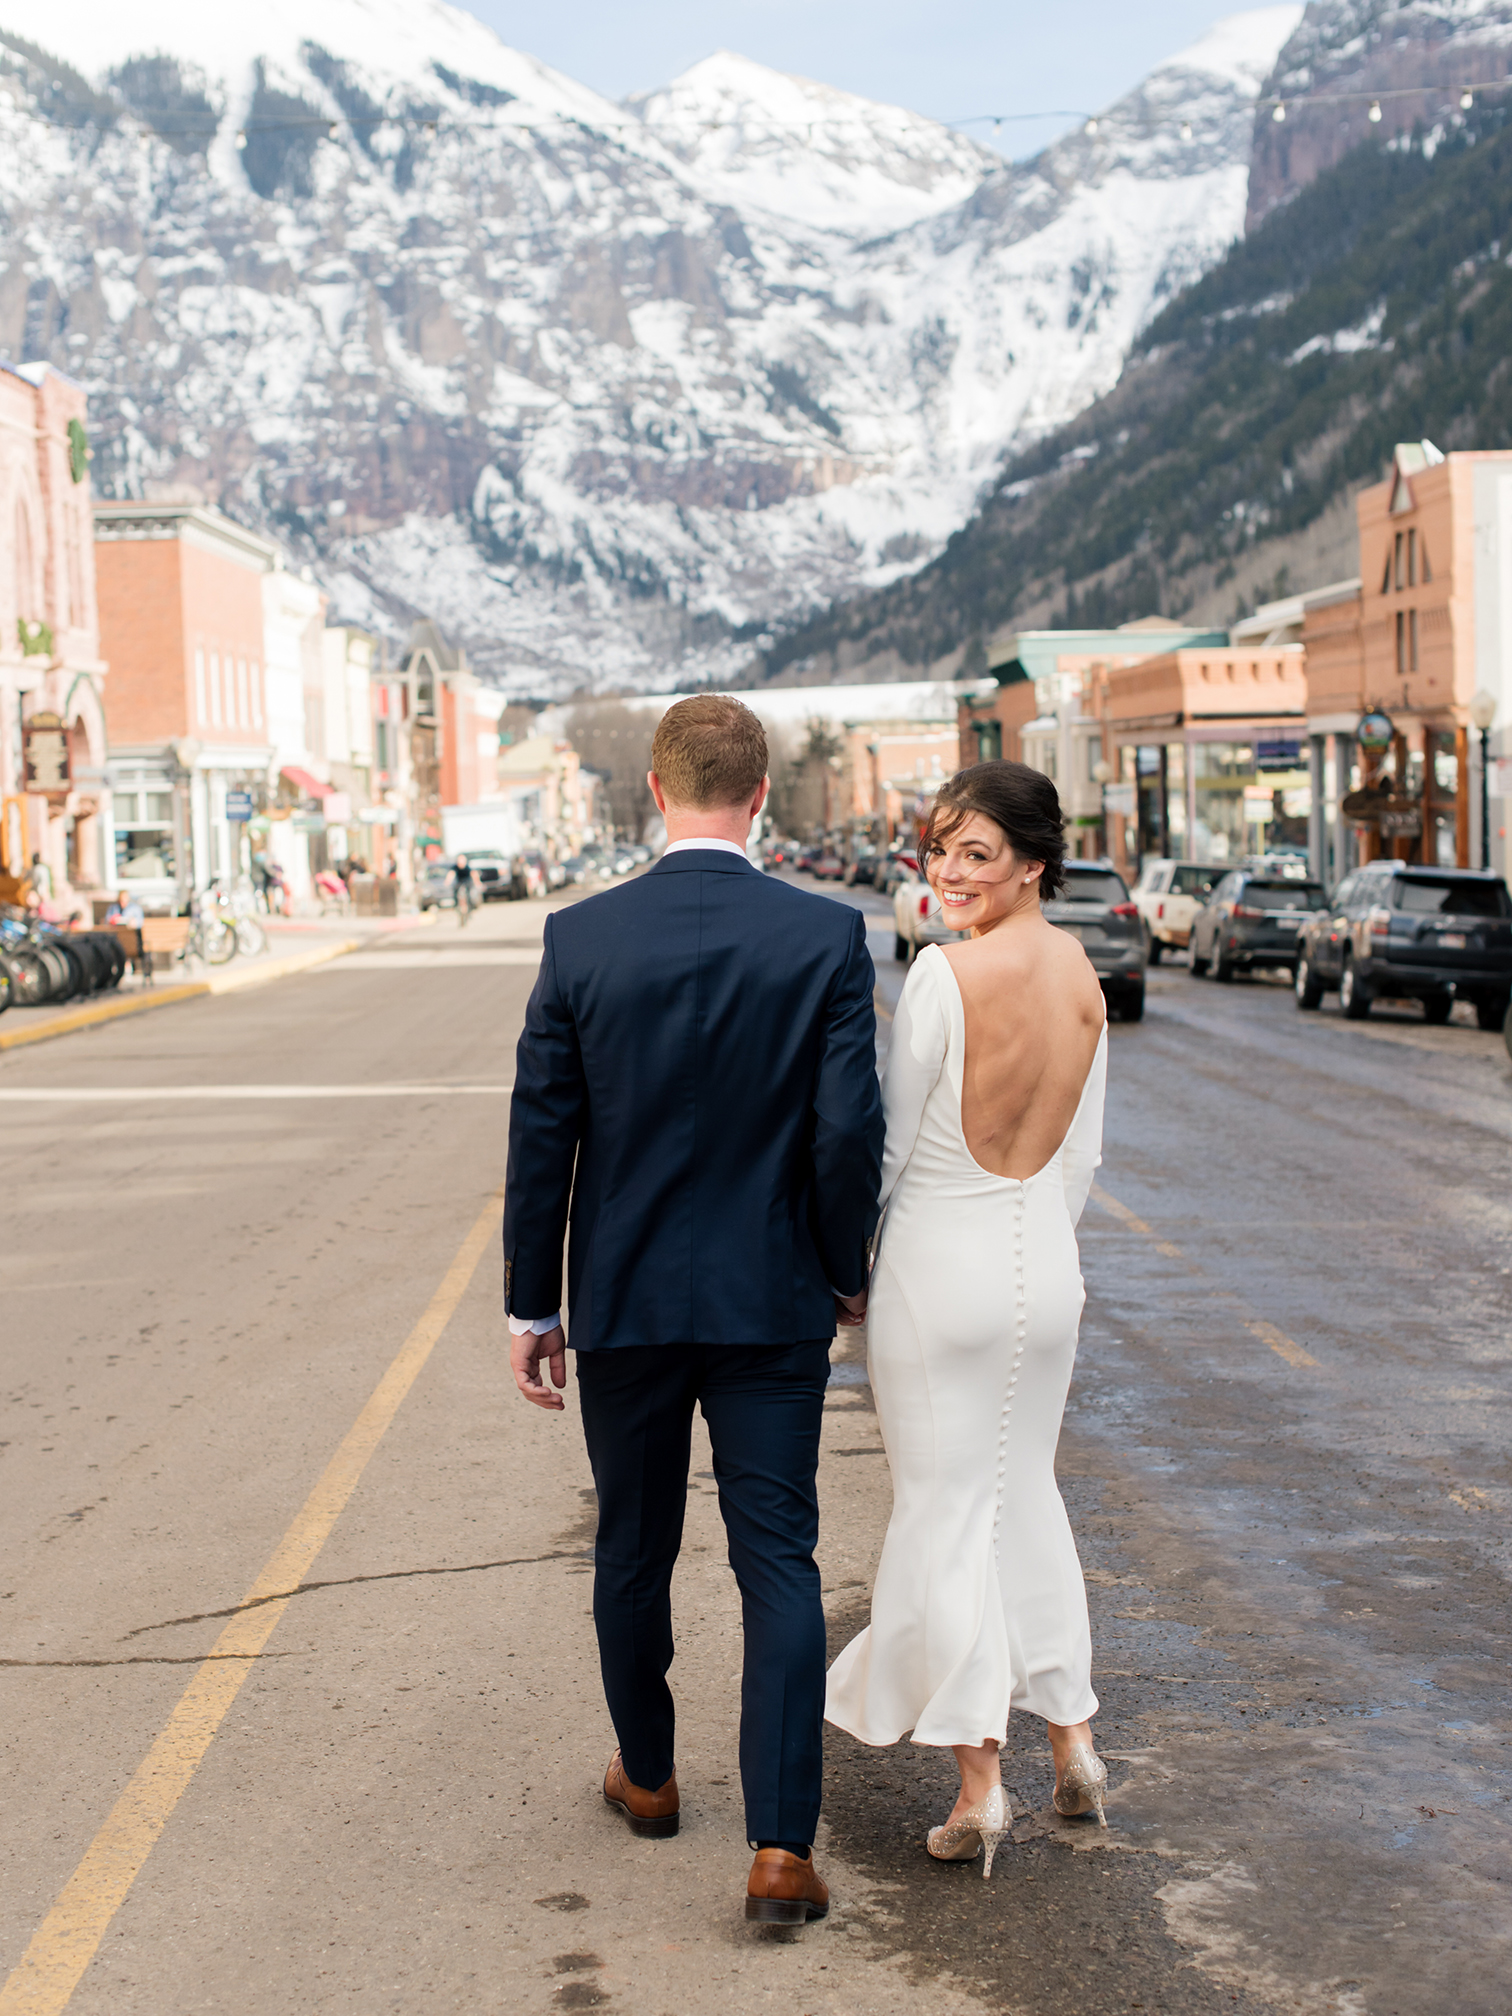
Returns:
(1160,910)
(1124,910)
(1379,921)
(923,906)
(1247,910)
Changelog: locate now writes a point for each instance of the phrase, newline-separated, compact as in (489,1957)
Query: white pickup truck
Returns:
(1168,896)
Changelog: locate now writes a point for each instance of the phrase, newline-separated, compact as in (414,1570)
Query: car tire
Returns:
(1491,1012)
(1354,995)
(1307,986)
(900,947)
(1222,969)
(1131,1004)
(1156,948)
(1195,962)
(1438,1007)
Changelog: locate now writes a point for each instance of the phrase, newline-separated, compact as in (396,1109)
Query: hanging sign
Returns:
(45,742)
(238,807)
(1375,731)
(1118,800)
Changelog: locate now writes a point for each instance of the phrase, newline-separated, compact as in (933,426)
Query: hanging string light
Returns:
(431,122)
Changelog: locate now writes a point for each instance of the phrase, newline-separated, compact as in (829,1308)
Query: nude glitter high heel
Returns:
(977,1832)
(1080,1784)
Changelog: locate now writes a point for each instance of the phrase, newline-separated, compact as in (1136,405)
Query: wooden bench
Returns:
(161,941)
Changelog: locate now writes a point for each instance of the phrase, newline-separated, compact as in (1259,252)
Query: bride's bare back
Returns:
(1034,1014)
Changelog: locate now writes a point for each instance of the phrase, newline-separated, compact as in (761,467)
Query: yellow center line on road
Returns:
(68,1937)
(1284,1346)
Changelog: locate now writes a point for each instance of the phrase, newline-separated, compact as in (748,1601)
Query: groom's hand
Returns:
(850,1310)
(525,1355)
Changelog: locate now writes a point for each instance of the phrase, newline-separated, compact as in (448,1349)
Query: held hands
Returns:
(850,1310)
(525,1355)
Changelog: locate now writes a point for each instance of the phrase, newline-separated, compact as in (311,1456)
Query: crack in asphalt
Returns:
(336,1582)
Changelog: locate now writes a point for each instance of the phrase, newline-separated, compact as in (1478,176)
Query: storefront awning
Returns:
(303,781)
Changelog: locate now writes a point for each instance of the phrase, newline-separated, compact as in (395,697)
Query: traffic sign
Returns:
(238,807)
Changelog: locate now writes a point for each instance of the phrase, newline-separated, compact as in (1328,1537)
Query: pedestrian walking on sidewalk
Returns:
(696,1090)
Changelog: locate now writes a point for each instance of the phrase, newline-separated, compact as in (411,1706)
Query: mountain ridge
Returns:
(473,340)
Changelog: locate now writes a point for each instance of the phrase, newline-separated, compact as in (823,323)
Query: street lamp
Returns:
(1483,713)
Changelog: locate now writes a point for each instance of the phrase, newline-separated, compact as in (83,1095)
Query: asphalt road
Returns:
(1285,1457)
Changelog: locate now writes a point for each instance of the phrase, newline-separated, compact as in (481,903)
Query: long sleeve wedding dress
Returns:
(976,1297)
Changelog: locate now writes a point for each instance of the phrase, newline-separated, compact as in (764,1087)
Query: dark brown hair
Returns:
(709,750)
(1022,803)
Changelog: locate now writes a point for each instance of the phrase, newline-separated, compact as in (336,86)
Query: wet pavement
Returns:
(1285,1457)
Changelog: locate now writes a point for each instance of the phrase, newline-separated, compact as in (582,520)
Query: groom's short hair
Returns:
(709,751)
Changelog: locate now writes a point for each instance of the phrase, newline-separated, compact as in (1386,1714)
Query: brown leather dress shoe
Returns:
(785,1889)
(653,1813)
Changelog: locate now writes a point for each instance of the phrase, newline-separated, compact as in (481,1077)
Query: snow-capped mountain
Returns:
(604,388)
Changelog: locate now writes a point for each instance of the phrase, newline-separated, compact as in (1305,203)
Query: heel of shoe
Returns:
(990,1840)
(1097,1801)
(782,1911)
(654,1830)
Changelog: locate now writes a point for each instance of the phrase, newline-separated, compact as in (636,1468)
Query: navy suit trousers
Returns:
(763,1405)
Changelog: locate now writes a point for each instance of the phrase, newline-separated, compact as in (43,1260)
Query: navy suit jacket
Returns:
(696,1089)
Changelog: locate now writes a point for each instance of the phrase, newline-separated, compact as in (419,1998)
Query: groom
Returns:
(696,1094)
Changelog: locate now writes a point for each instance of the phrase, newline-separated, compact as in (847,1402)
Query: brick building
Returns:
(1426,627)
(52,673)
(181,615)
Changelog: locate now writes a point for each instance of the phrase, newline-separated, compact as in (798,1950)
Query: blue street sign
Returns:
(238,807)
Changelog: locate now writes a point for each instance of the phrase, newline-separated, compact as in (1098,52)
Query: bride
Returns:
(994,1097)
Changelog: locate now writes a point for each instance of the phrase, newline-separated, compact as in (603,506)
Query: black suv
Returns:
(1096,909)
(1435,935)
(1250,921)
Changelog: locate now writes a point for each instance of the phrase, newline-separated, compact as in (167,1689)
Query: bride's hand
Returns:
(850,1310)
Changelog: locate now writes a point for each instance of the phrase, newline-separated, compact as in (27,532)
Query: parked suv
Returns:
(1435,935)
(1168,896)
(1096,909)
(1251,921)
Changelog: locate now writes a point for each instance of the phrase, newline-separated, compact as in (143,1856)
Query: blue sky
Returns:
(949,59)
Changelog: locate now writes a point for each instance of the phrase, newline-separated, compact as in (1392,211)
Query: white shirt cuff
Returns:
(519,1325)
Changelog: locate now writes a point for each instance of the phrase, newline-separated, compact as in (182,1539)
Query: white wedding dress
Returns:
(979,1602)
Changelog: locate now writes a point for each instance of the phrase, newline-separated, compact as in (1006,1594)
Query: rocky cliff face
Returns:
(1413,63)
(607,389)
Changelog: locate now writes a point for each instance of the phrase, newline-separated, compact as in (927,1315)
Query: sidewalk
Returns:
(294,945)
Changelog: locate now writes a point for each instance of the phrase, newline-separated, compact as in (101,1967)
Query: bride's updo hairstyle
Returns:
(1022,803)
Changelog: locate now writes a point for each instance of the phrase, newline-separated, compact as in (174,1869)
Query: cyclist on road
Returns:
(462,882)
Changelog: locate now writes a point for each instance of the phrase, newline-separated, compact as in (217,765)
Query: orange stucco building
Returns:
(181,609)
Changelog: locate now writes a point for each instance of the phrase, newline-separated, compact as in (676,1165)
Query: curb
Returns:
(249,975)
(102,1011)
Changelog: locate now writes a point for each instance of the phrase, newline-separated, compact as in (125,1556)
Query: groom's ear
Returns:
(656,792)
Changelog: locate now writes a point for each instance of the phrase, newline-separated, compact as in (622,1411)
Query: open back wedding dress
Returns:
(976,1297)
